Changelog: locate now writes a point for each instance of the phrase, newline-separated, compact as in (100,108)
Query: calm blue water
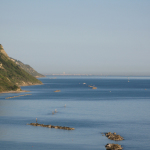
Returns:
(115,106)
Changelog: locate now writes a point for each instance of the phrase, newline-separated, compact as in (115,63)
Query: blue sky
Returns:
(78,36)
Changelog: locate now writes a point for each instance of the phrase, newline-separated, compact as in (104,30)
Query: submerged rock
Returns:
(57,91)
(94,87)
(113,146)
(113,136)
(17,95)
(51,126)
(90,86)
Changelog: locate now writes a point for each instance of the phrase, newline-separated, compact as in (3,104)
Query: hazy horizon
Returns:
(78,36)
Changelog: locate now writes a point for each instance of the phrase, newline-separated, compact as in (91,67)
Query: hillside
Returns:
(27,68)
(12,76)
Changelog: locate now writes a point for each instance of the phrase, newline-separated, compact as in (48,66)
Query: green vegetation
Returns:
(27,68)
(12,76)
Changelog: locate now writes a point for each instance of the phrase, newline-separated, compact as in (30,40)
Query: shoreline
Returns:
(21,90)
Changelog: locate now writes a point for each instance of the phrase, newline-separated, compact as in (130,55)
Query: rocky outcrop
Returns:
(113,136)
(1,66)
(51,126)
(113,146)
(2,50)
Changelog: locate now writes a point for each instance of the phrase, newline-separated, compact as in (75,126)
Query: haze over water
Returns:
(119,104)
(78,36)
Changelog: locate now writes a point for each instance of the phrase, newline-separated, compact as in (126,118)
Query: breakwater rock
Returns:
(51,126)
(17,96)
(113,136)
(113,147)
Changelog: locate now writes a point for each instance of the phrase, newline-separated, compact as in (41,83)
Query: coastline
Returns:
(21,91)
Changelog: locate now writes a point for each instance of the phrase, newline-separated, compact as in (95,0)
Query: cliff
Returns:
(2,50)
(27,68)
(13,76)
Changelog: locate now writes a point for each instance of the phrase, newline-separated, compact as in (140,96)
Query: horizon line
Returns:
(92,75)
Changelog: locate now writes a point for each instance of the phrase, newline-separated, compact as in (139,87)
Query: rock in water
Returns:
(57,91)
(51,126)
(113,146)
(113,136)
(94,87)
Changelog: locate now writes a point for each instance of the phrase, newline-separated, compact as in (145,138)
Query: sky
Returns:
(106,37)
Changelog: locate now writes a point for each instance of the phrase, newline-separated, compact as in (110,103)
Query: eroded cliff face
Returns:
(2,50)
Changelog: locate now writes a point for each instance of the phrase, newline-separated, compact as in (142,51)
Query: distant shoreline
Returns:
(97,75)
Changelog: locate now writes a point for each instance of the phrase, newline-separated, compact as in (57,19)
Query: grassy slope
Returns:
(11,75)
(28,69)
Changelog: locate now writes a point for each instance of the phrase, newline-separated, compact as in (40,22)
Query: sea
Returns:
(119,104)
